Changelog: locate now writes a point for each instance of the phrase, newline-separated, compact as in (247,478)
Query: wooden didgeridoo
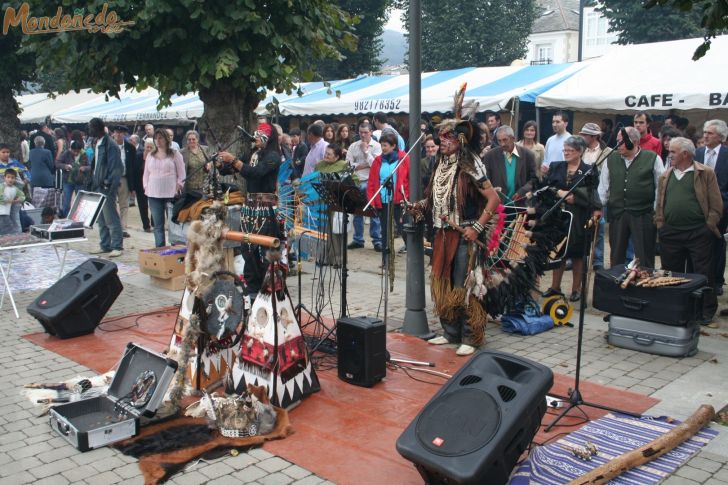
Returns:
(650,451)
(246,237)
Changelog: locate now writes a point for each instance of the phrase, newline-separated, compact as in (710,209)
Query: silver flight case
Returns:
(137,390)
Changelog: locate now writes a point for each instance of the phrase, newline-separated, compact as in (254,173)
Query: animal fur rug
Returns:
(165,448)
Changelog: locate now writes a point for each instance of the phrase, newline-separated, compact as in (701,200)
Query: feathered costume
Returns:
(470,281)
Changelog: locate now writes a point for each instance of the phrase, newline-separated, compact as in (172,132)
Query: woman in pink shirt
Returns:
(164,175)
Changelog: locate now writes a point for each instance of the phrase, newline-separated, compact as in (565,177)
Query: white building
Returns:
(555,35)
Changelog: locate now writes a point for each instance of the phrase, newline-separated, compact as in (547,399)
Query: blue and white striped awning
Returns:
(492,87)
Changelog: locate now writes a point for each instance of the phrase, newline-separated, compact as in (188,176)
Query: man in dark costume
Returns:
(459,196)
(259,214)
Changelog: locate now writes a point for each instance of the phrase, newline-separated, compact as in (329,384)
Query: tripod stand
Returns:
(575,398)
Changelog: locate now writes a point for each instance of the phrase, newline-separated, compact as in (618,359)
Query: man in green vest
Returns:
(627,188)
(689,206)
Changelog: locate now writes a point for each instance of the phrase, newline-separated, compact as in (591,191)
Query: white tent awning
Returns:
(653,77)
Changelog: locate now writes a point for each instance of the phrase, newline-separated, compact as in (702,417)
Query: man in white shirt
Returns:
(360,156)
(595,150)
(628,185)
(555,143)
(715,156)
(174,144)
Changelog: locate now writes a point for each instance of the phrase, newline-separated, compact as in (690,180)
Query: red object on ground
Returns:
(344,433)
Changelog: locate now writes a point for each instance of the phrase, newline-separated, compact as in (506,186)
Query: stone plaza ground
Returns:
(31,453)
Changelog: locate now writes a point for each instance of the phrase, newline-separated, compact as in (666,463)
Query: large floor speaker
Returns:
(477,426)
(361,346)
(76,303)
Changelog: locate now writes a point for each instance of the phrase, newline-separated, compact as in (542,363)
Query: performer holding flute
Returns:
(459,195)
(259,214)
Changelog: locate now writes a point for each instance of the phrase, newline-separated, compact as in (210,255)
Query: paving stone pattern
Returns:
(31,453)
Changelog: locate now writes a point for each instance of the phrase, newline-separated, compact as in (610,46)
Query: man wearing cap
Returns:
(511,169)
(595,150)
(128,157)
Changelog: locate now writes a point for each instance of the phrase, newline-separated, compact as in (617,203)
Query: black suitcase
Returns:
(76,303)
(480,422)
(672,305)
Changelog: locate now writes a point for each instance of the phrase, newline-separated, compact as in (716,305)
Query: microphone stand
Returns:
(575,398)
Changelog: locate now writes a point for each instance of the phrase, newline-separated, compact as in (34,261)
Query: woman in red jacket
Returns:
(382,167)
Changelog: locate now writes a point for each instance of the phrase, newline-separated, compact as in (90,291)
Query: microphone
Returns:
(628,144)
(244,132)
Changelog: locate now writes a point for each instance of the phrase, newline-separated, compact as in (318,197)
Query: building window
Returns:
(596,30)
(544,54)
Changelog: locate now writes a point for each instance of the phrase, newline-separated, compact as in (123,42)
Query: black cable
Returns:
(139,316)
(406,370)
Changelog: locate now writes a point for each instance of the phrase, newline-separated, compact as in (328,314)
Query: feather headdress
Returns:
(461,125)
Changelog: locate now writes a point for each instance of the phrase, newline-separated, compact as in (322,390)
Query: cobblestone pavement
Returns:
(31,453)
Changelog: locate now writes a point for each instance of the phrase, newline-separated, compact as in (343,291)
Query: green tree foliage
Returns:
(229,51)
(370,17)
(638,25)
(713,17)
(15,68)
(473,32)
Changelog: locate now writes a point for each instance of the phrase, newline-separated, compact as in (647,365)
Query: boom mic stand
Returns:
(575,398)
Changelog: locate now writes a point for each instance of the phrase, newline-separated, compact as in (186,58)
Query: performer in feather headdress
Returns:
(461,201)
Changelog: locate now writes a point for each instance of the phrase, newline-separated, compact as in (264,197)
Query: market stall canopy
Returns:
(38,107)
(654,77)
(492,87)
(131,106)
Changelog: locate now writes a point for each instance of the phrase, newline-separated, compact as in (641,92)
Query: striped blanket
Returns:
(614,435)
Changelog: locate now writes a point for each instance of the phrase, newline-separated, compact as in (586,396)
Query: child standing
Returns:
(11,199)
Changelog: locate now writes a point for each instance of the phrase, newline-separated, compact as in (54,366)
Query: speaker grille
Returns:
(58,294)
(470,380)
(459,422)
(506,393)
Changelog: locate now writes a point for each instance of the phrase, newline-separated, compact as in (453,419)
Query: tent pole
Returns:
(538,124)
(516,114)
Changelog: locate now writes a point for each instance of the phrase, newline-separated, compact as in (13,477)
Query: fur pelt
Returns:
(161,452)
(205,253)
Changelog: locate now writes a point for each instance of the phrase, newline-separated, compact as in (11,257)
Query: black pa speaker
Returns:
(361,350)
(76,303)
(481,421)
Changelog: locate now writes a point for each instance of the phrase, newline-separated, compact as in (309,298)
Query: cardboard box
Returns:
(173,284)
(166,262)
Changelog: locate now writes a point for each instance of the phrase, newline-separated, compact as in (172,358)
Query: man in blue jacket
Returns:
(106,177)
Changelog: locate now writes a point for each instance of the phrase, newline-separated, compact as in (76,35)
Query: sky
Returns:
(394,22)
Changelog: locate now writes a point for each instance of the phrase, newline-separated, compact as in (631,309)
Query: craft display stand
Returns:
(32,242)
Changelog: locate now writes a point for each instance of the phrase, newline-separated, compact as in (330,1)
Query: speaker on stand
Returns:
(77,302)
(480,422)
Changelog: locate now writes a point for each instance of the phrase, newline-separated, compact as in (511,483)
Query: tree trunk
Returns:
(9,122)
(225,109)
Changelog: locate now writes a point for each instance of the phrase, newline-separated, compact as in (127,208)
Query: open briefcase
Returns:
(137,390)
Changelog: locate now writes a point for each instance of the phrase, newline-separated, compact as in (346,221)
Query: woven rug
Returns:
(614,435)
(36,268)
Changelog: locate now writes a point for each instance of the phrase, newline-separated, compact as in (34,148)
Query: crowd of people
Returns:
(663,181)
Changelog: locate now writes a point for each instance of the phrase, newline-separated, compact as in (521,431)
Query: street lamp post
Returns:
(415,316)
